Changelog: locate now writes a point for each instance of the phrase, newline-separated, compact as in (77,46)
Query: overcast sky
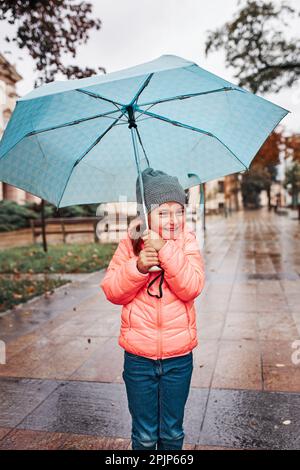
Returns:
(136,31)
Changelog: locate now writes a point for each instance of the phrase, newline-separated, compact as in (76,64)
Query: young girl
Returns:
(158,324)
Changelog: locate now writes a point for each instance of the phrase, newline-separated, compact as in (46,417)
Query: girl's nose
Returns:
(173,220)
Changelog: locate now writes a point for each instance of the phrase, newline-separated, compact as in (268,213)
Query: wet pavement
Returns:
(62,386)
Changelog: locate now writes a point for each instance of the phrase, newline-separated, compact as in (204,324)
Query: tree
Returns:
(293,147)
(49,30)
(263,169)
(256,47)
(254,181)
(292,182)
(266,160)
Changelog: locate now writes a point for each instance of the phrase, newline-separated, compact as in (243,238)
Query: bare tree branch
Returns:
(256,48)
(50,30)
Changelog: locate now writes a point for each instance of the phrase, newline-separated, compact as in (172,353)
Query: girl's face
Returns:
(167,219)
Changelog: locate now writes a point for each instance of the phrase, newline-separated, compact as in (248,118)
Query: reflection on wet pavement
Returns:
(63,352)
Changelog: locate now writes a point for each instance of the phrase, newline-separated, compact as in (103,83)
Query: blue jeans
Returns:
(157,391)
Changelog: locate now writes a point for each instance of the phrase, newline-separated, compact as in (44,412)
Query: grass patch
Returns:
(15,291)
(31,259)
(61,258)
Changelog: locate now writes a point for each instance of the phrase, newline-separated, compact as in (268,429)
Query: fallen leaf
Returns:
(30,289)
(17,296)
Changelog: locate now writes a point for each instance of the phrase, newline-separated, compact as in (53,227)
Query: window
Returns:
(221,186)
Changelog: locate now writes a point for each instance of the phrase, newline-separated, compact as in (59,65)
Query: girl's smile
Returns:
(167,219)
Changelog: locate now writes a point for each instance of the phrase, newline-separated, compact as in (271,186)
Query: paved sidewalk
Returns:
(62,385)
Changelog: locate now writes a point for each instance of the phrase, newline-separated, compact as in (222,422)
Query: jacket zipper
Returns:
(159,329)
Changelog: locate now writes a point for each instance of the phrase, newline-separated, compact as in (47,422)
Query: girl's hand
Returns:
(147,258)
(152,239)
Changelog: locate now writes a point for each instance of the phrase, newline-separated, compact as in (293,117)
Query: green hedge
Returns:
(14,216)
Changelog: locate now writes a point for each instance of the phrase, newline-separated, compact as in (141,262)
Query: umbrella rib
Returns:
(94,95)
(71,123)
(87,151)
(146,83)
(191,95)
(192,128)
(64,125)
(141,143)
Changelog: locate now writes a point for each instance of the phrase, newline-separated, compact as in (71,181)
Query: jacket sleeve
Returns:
(122,279)
(184,267)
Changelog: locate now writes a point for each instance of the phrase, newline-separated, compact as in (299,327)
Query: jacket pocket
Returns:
(188,319)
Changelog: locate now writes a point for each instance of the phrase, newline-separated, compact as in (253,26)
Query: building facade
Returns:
(8,95)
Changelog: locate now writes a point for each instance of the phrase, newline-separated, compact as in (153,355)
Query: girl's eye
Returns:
(166,213)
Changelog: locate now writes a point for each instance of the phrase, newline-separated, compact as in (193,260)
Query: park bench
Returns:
(65,226)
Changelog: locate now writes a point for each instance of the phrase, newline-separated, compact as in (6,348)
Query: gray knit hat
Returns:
(159,187)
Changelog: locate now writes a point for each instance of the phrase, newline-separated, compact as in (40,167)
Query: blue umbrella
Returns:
(84,141)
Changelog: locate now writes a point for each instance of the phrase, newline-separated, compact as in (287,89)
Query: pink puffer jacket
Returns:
(152,325)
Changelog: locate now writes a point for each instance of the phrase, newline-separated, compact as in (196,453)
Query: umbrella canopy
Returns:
(84,141)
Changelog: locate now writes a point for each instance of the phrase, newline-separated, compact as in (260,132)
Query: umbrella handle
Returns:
(154,268)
